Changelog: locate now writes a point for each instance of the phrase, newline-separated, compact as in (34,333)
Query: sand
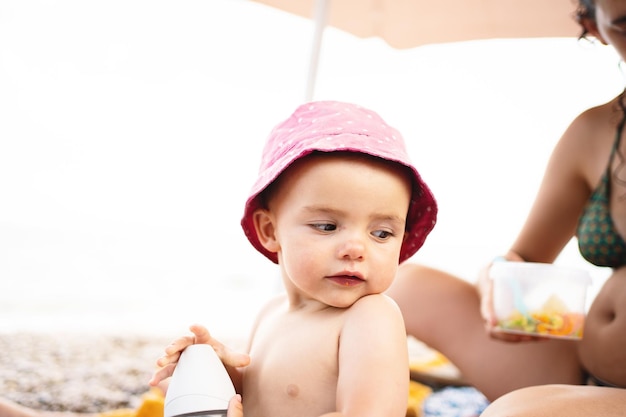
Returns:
(77,372)
(101,372)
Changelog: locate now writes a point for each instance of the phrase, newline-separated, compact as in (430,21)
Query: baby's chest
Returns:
(293,370)
(294,355)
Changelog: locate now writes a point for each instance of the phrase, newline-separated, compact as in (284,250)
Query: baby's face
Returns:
(339,223)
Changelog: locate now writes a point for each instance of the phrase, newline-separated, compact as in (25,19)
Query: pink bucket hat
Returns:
(330,126)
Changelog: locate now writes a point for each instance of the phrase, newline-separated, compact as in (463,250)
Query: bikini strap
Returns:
(618,138)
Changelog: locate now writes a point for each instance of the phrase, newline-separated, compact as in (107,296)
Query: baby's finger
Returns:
(161,374)
(226,355)
(168,359)
(235,407)
(201,335)
(232,358)
(179,345)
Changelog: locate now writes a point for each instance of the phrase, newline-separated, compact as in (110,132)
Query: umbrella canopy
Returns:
(411,23)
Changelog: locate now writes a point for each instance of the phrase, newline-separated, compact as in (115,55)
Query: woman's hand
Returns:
(485,288)
(201,335)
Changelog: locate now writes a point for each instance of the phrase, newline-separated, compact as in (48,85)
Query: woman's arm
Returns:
(573,170)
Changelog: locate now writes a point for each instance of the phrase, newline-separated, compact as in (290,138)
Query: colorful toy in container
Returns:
(540,299)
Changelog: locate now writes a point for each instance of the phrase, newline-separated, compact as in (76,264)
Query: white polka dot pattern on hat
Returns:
(329,126)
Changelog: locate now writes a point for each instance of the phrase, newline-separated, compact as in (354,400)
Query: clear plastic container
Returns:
(540,299)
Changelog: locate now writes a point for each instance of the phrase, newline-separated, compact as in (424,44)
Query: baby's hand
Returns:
(201,335)
(235,408)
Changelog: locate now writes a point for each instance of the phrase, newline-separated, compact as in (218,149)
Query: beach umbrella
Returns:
(410,23)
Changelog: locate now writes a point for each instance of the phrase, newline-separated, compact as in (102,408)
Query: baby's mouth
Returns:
(347,280)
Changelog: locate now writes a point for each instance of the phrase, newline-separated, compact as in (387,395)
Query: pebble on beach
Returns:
(75,372)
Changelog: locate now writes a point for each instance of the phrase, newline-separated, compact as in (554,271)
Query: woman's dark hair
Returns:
(586,10)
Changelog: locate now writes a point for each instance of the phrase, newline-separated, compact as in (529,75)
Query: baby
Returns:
(337,205)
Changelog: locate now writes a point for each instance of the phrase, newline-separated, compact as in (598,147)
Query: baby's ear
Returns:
(265,229)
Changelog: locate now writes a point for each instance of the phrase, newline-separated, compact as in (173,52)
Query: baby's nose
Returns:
(353,248)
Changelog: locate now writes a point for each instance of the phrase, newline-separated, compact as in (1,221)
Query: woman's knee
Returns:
(559,401)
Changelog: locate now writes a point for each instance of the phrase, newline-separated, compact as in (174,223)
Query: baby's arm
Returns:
(373,360)
(231,360)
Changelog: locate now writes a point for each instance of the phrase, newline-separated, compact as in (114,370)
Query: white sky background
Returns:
(130,133)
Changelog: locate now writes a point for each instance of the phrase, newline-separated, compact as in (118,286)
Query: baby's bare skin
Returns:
(333,344)
(295,356)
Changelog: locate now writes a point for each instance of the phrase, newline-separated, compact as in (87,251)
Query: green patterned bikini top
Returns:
(599,241)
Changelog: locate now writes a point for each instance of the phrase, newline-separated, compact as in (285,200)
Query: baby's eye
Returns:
(324,227)
(382,234)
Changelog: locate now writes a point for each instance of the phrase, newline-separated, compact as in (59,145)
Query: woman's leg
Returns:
(560,401)
(443,311)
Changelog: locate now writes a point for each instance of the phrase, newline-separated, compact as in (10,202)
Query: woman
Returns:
(584,184)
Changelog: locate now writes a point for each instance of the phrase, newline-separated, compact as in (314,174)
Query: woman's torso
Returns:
(603,348)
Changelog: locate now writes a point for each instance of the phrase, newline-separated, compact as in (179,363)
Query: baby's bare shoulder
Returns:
(375,303)
(376,310)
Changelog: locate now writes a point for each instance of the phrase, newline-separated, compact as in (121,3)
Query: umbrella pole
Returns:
(321,15)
